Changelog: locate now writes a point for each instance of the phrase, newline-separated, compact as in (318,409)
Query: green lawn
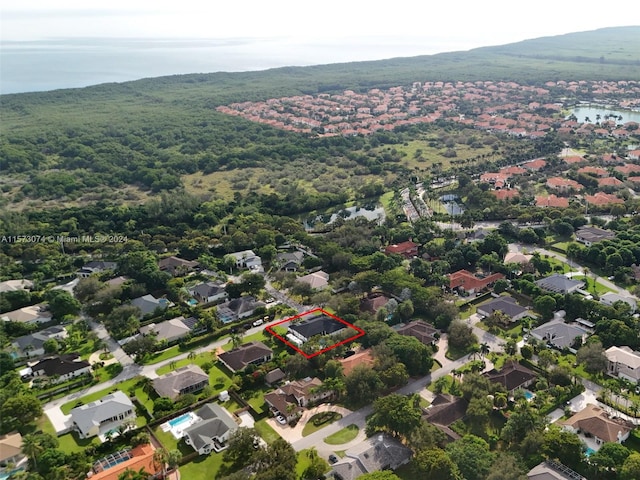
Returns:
(600,288)
(267,433)
(163,355)
(204,466)
(170,442)
(258,336)
(71,443)
(345,435)
(311,427)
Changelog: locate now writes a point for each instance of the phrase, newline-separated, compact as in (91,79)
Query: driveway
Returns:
(294,434)
(59,420)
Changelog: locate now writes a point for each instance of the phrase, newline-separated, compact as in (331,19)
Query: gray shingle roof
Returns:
(172,383)
(94,413)
(215,423)
(558,333)
(506,305)
(559,283)
(376,453)
(239,358)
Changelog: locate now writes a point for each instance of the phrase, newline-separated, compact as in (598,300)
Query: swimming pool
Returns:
(590,451)
(180,420)
(529,395)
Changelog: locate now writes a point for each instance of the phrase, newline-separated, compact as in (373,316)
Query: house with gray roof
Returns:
(505,304)
(29,315)
(252,353)
(188,379)
(172,330)
(590,235)
(212,431)
(315,325)
(237,309)
(96,267)
(176,266)
(149,304)
(380,452)
(104,415)
(209,292)
(289,261)
(32,345)
(59,368)
(558,283)
(610,298)
(559,334)
(248,259)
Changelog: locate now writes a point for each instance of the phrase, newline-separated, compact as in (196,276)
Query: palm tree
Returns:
(31,448)
(236,340)
(484,350)
(160,457)
(129,474)
(192,355)
(173,458)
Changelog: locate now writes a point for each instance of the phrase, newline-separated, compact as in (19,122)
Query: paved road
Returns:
(359,416)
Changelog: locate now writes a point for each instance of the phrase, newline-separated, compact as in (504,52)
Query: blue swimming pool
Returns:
(590,451)
(528,395)
(181,419)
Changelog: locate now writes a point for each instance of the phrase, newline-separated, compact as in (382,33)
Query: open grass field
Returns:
(328,417)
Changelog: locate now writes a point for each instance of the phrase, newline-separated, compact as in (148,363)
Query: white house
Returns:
(248,259)
(623,363)
(104,415)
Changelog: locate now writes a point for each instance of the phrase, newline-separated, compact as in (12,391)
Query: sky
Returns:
(464,23)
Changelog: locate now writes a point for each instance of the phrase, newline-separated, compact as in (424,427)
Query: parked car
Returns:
(281,420)
(258,322)
(333,458)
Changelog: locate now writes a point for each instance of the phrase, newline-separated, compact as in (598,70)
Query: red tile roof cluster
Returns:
(610,182)
(561,183)
(597,171)
(141,458)
(601,199)
(506,107)
(504,195)
(573,159)
(627,168)
(407,249)
(552,201)
(536,164)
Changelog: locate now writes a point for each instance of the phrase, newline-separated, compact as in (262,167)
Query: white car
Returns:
(258,322)
(281,420)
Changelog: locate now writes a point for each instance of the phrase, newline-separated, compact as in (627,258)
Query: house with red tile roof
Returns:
(535,165)
(552,201)
(634,180)
(610,182)
(407,249)
(137,459)
(609,158)
(627,168)
(562,184)
(505,195)
(596,171)
(468,282)
(601,199)
(513,170)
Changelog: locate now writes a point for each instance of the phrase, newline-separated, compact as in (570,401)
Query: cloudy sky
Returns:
(466,23)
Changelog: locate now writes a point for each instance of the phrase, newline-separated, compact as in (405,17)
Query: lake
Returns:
(369,211)
(583,111)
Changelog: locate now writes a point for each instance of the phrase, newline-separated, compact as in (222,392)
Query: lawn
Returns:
(204,466)
(256,398)
(600,288)
(319,421)
(254,337)
(170,442)
(163,355)
(71,443)
(345,435)
(267,433)
(454,353)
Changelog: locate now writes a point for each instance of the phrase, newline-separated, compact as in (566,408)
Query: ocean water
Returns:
(27,66)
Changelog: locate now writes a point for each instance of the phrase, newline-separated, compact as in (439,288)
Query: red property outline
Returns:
(326,349)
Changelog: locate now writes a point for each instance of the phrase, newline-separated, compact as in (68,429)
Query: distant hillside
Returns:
(147,136)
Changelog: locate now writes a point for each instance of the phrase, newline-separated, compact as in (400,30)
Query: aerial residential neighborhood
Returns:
(436,279)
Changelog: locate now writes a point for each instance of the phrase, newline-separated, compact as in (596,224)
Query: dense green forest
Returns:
(124,142)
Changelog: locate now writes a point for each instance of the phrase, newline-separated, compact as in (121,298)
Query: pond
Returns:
(591,113)
(372,211)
